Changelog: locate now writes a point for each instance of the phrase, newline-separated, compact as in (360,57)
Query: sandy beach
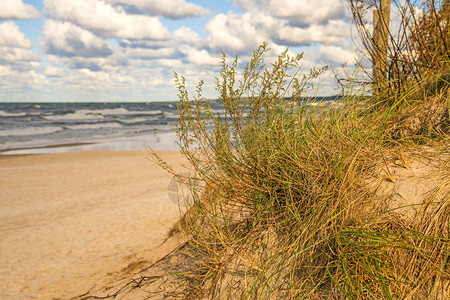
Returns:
(70,219)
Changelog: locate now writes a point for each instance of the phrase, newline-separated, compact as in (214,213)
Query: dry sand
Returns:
(69,220)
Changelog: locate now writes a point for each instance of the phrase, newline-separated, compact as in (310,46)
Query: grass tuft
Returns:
(297,198)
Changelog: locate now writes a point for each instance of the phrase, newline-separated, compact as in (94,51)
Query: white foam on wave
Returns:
(169,114)
(136,120)
(7,114)
(30,131)
(330,104)
(123,111)
(77,115)
(84,114)
(93,126)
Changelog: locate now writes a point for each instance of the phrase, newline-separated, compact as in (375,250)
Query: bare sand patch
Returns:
(70,219)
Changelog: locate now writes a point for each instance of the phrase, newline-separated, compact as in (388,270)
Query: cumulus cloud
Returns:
(185,44)
(15,47)
(188,36)
(148,44)
(237,33)
(16,9)
(242,33)
(146,53)
(298,11)
(4,70)
(11,36)
(106,20)
(15,55)
(173,9)
(67,39)
(335,31)
(118,46)
(51,71)
(181,36)
(337,54)
(199,57)
(285,22)
(18,83)
(88,80)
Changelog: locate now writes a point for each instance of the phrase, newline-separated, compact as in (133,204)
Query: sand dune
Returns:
(70,219)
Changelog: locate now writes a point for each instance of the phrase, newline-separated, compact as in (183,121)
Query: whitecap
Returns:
(77,115)
(93,126)
(123,111)
(7,114)
(135,120)
(30,131)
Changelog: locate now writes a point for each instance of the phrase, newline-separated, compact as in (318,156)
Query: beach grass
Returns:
(291,199)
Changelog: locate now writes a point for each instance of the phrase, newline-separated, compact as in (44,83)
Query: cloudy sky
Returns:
(127,50)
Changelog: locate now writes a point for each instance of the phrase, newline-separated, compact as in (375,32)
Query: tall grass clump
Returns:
(286,198)
(302,199)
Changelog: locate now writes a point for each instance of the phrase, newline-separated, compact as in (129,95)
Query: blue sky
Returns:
(127,50)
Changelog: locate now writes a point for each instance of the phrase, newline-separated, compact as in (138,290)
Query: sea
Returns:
(34,128)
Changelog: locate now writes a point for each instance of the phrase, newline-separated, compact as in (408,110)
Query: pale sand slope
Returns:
(67,220)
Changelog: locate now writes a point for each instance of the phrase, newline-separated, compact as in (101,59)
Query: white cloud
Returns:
(90,79)
(106,20)
(243,33)
(4,70)
(337,54)
(237,33)
(14,55)
(16,9)
(199,57)
(153,44)
(51,71)
(121,48)
(67,39)
(11,36)
(15,47)
(151,49)
(188,36)
(15,81)
(335,31)
(173,9)
(172,63)
(298,11)
(145,53)
(93,64)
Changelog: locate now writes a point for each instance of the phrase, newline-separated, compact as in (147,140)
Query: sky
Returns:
(127,50)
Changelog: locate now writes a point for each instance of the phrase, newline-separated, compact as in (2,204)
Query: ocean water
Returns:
(27,128)
(31,128)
